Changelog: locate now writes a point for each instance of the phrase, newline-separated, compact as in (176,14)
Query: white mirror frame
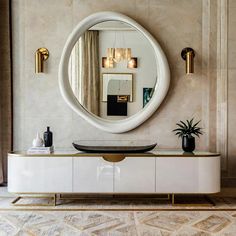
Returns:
(161,87)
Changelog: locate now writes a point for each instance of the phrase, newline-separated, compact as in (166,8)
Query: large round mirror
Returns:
(113,72)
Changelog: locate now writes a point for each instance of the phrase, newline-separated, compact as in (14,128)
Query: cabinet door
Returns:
(188,174)
(92,175)
(175,175)
(40,174)
(135,175)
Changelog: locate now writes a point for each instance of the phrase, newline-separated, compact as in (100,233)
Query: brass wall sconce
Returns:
(132,63)
(188,55)
(41,55)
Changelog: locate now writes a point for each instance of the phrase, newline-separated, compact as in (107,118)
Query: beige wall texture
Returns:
(175,24)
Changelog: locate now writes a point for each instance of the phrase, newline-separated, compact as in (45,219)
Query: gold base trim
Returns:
(53,201)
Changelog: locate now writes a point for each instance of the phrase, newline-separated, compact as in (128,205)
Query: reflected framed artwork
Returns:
(147,95)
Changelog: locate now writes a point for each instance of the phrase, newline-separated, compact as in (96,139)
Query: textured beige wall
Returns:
(174,23)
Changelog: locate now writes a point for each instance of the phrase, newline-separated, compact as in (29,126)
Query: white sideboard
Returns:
(159,172)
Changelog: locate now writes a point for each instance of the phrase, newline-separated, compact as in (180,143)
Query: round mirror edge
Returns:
(161,88)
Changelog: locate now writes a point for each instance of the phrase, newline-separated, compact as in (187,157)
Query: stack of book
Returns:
(40,150)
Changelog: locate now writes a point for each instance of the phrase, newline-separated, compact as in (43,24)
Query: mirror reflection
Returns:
(112,70)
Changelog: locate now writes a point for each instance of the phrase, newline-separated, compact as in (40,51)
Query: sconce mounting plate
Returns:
(44,52)
(185,51)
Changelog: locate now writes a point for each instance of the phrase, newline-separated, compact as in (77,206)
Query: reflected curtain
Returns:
(84,71)
(5,88)
(90,71)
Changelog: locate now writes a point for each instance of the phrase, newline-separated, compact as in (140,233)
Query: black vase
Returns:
(188,143)
(47,136)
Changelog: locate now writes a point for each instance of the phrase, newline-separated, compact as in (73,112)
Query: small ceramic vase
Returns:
(37,142)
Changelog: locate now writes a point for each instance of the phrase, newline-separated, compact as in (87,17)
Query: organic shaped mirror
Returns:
(97,76)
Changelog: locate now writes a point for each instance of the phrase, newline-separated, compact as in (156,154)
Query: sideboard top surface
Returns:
(155,153)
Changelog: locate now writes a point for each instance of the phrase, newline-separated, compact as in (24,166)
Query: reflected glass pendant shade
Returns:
(110,53)
(119,54)
(127,52)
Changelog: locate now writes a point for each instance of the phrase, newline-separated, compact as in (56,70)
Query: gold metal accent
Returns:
(122,98)
(188,55)
(41,55)
(209,202)
(160,154)
(118,196)
(53,199)
(113,157)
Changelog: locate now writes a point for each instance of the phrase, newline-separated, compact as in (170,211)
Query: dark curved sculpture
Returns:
(114,149)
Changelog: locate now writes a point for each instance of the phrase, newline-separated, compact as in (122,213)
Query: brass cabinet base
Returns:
(179,200)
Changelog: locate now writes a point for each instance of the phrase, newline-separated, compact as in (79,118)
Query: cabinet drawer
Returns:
(92,175)
(40,174)
(135,175)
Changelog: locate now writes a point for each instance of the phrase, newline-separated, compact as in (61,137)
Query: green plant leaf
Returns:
(185,126)
(178,129)
(181,126)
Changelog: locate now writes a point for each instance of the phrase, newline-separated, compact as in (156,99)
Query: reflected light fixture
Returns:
(41,55)
(119,54)
(107,62)
(132,63)
(188,55)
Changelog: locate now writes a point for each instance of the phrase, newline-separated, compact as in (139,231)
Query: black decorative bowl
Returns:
(113,148)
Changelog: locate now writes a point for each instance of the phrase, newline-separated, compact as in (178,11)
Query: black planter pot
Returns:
(188,143)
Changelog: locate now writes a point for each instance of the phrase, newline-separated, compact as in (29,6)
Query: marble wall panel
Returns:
(38,103)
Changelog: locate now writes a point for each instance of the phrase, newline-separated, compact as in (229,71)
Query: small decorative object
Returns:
(37,142)
(47,138)
(132,63)
(147,95)
(40,150)
(186,130)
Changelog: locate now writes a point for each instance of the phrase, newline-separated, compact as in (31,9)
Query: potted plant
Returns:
(187,130)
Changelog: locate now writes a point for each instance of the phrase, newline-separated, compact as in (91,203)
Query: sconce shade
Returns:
(188,55)
(132,63)
(107,62)
(41,55)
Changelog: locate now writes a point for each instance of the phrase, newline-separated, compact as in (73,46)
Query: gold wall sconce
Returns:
(41,55)
(188,55)
(132,63)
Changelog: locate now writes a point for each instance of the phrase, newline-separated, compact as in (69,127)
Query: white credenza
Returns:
(161,172)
